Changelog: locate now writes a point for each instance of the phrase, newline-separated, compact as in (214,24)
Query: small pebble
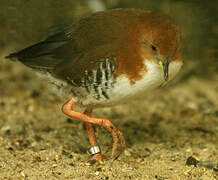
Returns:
(127,153)
(54,165)
(97,173)
(22,173)
(192,161)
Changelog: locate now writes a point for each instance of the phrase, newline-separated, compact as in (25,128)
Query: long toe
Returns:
(117,136)
(122,143)
(97,157)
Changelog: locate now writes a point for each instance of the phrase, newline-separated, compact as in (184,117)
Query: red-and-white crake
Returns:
(105,59)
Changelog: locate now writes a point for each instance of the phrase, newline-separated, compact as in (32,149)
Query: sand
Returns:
(162,130)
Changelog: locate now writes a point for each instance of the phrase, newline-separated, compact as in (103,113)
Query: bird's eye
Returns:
(154,48)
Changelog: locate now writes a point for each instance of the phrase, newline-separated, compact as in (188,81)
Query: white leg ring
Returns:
(94,150)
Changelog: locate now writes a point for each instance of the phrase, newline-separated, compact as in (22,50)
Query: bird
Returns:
(105,59)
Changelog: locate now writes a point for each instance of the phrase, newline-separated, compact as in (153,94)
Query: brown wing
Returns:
(76,49)
(76,69)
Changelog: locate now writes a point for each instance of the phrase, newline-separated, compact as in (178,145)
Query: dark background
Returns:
(24,22)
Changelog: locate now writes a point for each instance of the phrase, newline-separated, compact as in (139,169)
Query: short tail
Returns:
(43,55)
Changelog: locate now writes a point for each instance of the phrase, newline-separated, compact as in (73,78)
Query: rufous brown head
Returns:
(154,37)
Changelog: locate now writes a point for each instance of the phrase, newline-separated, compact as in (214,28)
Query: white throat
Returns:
(153,78)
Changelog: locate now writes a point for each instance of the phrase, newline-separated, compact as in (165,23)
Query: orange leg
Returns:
(91,134)
(116,134)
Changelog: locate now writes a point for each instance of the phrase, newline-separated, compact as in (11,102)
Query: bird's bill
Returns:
(164,66)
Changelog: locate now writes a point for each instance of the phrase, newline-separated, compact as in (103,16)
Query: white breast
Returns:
(123,89)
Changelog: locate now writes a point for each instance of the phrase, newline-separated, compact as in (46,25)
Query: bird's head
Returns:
(145,37)
(160,41)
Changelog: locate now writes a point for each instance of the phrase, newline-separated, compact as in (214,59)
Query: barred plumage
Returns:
(98,82)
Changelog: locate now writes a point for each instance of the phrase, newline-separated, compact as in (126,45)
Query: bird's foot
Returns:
(97,157)
(117,135)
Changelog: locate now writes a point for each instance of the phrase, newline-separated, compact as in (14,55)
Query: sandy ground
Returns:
(161,130)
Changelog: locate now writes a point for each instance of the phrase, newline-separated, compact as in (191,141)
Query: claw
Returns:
(122,143)
(116,136)
(115,141)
